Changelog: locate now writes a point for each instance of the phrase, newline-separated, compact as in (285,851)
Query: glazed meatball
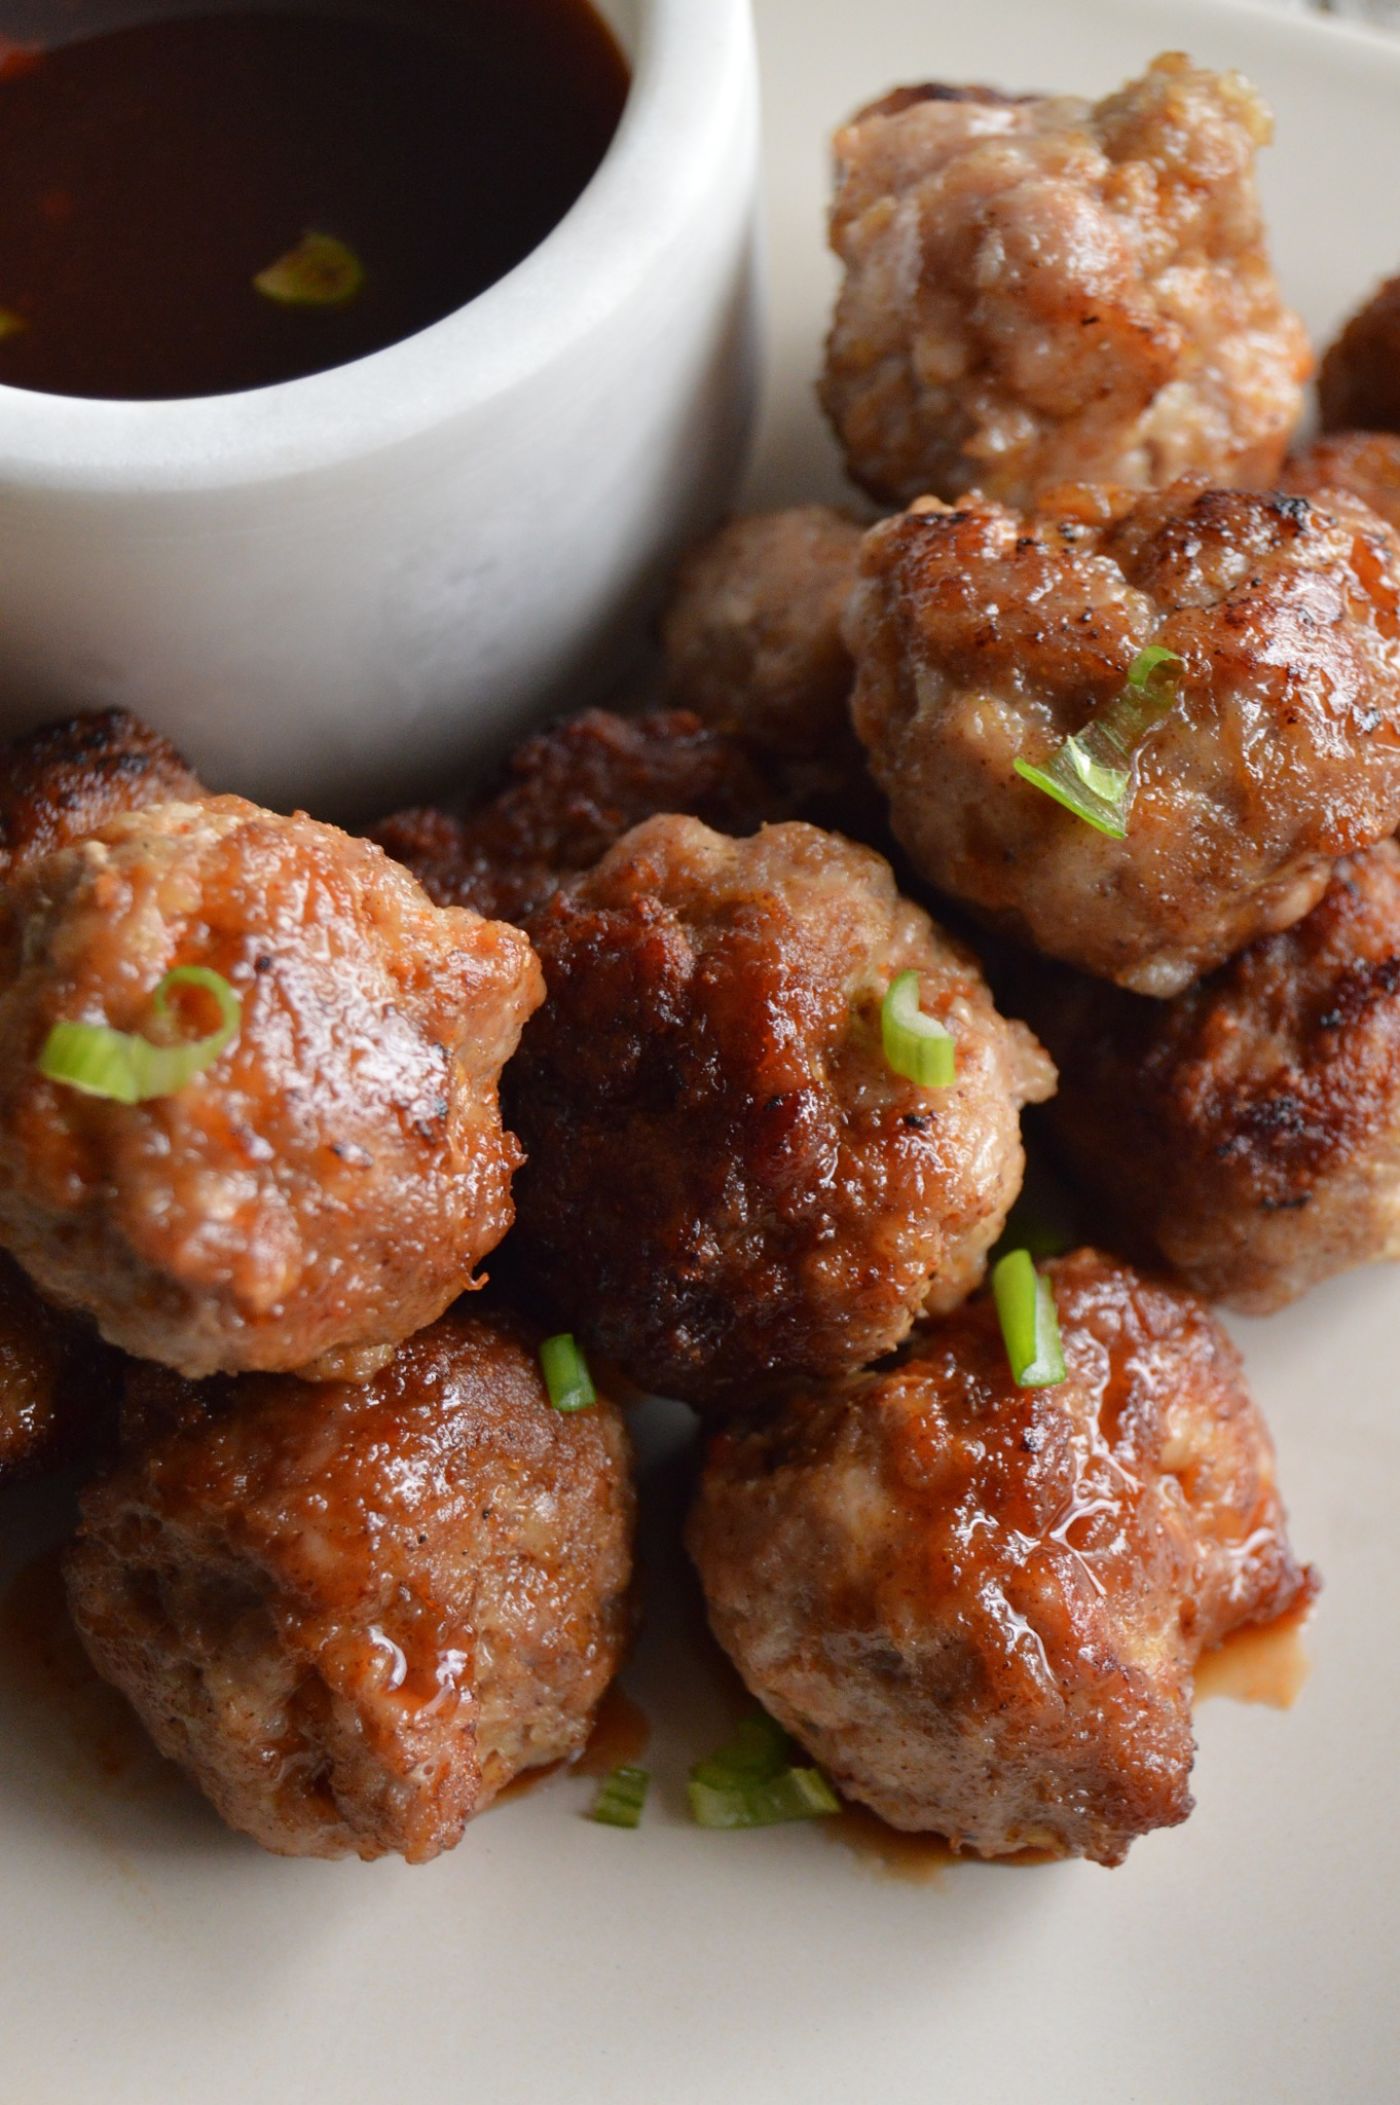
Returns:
(726,1181)
(1359,384)
(63,782)
(980,1606)
(1038,288)
(1365,463)
(570,792)
(354,1612)
(58,1383)
(327,1186)
(983,635)
(753,633)
(1253,1139)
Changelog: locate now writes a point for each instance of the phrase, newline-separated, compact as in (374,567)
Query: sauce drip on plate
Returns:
(195,204)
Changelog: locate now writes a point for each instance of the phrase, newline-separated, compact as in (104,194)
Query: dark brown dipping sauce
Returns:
(151,172)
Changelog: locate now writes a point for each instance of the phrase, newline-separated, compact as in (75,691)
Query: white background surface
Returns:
(146,1955)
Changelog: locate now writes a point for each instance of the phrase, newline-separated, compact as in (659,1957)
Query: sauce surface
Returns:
(151,173)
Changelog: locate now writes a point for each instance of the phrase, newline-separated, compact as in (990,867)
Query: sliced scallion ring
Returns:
(1091,774)
(621,1796)
(321,271)
(128,1068)
(1030,1323)
(753,1782)
(566,1375)
(916,1046)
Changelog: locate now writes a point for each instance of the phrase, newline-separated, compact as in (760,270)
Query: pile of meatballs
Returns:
(619,1022)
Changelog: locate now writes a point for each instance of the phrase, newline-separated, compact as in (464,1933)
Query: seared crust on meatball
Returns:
(1038,288)
(330,1183)
(1365,463)
(63,782)
(571,791)
(1249,1130)
(753,633)
(58,1382)
(983,635)
(980,1606)
(1359,385)
(353,1613)
(726,1183)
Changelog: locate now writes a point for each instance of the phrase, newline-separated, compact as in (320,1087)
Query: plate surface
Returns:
(148,1956)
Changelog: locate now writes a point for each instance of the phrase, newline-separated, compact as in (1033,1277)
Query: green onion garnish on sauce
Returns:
(753,1782)
(621,1796)
(566,1375)
(916,1046)
(1091,774)
(321,271)
(126,1067)
(1030,1324)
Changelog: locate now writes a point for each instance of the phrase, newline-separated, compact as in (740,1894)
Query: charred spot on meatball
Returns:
(1253,1140)
(61,783)
(58,1382)
(984,637)
(980,1606)
(1038,288)
(1366,464)
(570,792)
(1358,386)
(332,1181)
(723,1182)
(354,1612)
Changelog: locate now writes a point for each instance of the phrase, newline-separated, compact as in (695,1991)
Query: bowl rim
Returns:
(693,63)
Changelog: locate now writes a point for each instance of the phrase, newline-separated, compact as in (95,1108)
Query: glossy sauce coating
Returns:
(1042,287)
(979,1606)
(331,1183)
(151,172)
(984,635)
(354,1612)
(58,1383)
(1364,463)
(726,1183)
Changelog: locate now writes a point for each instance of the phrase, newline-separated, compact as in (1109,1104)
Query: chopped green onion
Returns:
(621,1796)
(753,1782)
(1091,774)
(321,271)
(1030,1323)
(11,324)
(127,1068)
(916,1046)
(566,1375)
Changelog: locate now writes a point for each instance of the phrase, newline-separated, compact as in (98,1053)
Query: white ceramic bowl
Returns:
(337,591)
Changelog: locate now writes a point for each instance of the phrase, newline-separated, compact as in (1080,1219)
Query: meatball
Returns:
(327,1186)
(570,792)
(1364,463)
(753,633)
(354,1612)
(1038,288)
(58,1383)
(980,1606)
(1253,1140)
(1359,384)
(983,635)
(726,1182)
(63,782)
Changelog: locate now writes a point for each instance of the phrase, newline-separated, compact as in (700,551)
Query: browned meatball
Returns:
(981,1606)
(329,1184)
(984,635)
(571,791)
(726,1182)
(1249,1130)
(63,782)
(1359,384)
(1038,288)
(352,1612)
(58,1382)
(1366,463)
(753,633)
